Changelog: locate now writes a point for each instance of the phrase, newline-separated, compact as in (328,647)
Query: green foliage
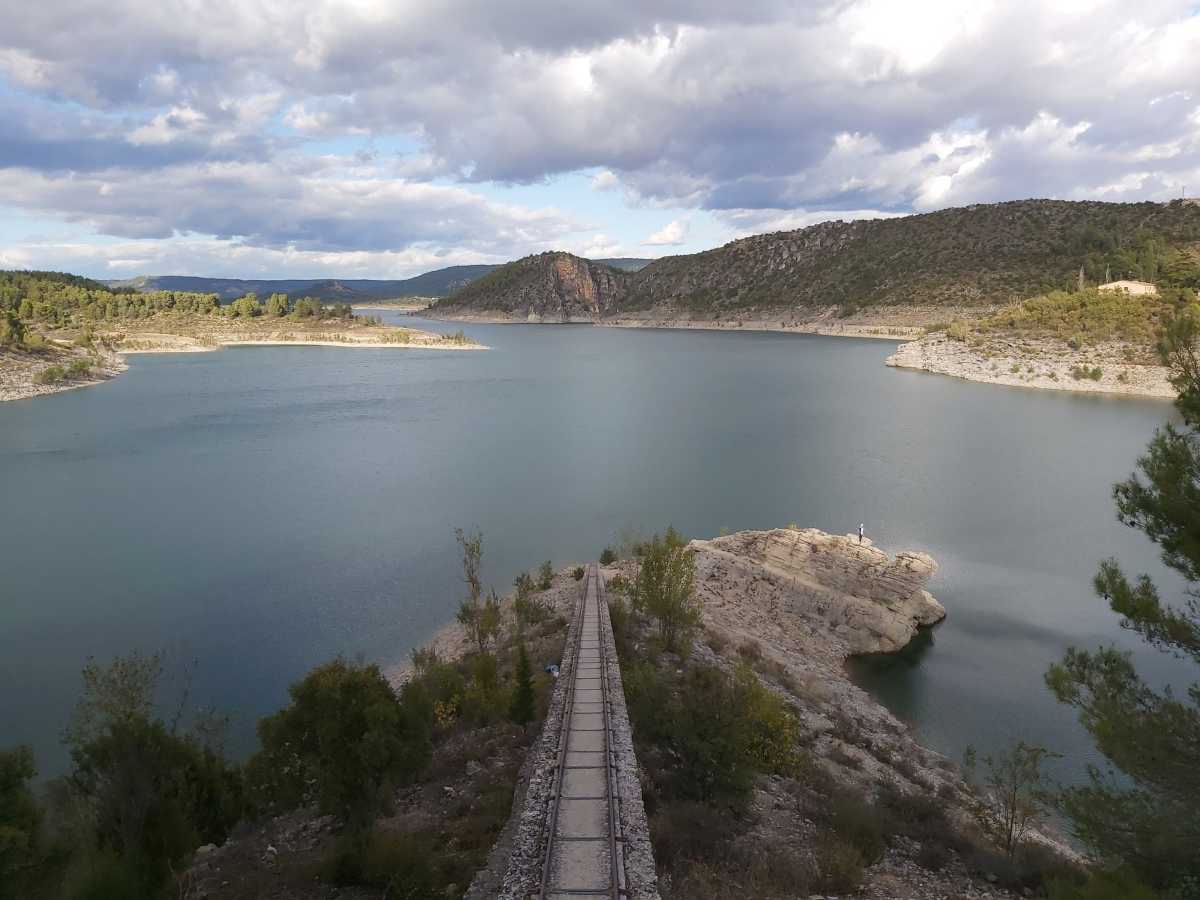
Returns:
(545,576)
(12,329)
(19,819)
(607,556)
(244,307)
(480,618)
(50,375)
(664,589)
(717,729)
(346,734)
(151,793)
(521,709)
(1086,317)
(1011,799)
(577,573)
(278,305)
(986,254)
(1151,822)
(1102,885)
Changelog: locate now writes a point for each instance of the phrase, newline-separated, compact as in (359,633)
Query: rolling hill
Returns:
(438,283)
(976,256)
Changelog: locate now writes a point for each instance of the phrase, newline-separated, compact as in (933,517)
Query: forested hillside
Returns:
(54,300)
(983,255)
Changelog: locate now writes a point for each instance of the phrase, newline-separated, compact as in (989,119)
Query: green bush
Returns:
(664,589)
(545,576)
(50,375)
(20,818)
(345,733)
(607,556)
(12,329)
(578,573)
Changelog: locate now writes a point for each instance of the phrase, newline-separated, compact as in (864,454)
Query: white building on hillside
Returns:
(1130,287)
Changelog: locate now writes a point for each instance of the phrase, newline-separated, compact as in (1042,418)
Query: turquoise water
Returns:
(258,510)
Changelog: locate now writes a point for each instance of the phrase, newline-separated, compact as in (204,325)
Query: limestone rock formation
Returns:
(851,597)
(548,287)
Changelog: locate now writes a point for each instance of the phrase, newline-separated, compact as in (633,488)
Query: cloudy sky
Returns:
(382,138)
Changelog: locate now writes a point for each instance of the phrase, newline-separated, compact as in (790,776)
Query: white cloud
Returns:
(604,181)
(672,234)
(233,119)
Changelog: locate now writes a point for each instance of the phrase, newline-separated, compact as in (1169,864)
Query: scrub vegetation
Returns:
(398,790)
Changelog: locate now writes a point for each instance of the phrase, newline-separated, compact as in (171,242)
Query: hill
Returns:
(438,283)
(546,287)
(985,255)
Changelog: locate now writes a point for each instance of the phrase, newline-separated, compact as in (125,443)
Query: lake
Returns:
(256,511)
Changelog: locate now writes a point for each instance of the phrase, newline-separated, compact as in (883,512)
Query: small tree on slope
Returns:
(521,709)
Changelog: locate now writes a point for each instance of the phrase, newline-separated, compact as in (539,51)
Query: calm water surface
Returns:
(259,510)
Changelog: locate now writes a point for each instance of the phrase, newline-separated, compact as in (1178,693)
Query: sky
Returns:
(384,138)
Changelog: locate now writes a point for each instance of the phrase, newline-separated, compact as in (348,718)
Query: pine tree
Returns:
(520,710)
(1150,821)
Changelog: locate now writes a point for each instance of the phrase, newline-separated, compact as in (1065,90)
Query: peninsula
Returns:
(59,332)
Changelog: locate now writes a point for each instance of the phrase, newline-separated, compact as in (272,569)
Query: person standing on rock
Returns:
(861,531)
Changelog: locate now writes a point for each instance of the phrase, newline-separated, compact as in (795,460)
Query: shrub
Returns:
(480,618)
(346,734)
(839,865)
(1101,886)
(50,375)
(664,589)
(520,710)
(12,329)
(19,817)
(545,576)
(399,862)
(716,641)
(750,651)
(578,573)
(79,367)
(689,830)
(857,822)
(958,330)
(607,557)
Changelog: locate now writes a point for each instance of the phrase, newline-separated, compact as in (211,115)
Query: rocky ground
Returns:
(19,370)
(795,604)
(1049,365)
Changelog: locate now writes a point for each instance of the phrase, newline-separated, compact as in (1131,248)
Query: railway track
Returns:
(584,849)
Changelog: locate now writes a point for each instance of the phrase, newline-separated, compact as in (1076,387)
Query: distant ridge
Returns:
(983,255)
(438,283)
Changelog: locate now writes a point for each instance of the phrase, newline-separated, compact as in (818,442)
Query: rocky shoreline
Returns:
(1046,365)
(899,323)
(19,369)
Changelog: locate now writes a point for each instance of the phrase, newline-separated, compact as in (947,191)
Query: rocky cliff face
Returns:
(549,287)
(842,596)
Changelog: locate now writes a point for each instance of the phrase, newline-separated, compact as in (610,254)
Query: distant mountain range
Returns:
(975,256)
(438,283)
